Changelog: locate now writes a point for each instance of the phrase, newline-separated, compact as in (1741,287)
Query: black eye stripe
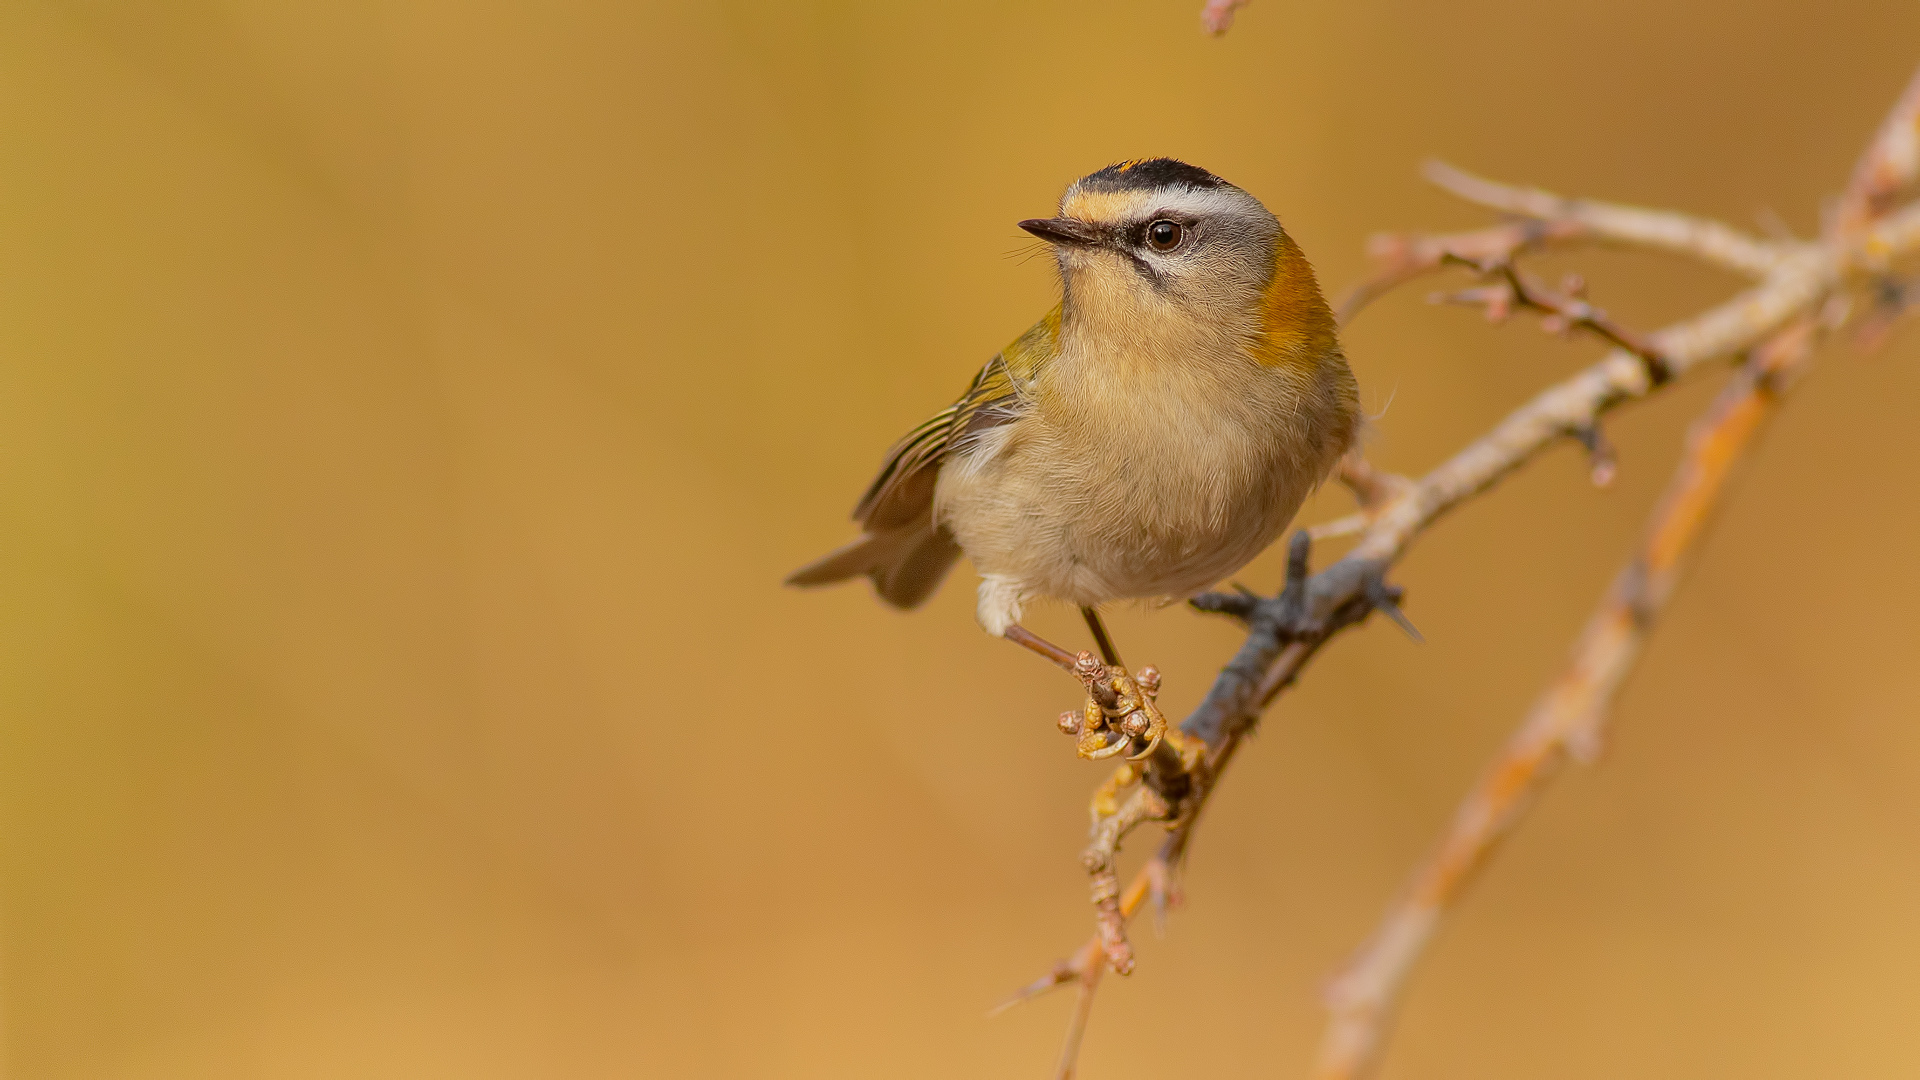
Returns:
(1146,270)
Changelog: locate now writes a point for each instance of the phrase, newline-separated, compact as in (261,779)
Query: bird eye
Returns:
(1165,235)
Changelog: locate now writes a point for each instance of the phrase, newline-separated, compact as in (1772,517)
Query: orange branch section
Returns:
(1567,719)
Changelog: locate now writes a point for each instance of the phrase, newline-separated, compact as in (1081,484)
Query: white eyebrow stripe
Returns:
(1137,207)
(1199,202)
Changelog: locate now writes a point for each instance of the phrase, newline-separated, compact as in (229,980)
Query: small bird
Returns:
(1145,439)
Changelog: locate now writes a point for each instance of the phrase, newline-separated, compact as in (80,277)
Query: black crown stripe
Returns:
(1152,173)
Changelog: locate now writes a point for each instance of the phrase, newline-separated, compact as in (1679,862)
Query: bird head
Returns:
(1157,232)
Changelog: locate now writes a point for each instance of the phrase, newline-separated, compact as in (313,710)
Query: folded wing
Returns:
(902,548)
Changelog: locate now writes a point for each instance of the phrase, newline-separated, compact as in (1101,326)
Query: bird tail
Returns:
(905,564)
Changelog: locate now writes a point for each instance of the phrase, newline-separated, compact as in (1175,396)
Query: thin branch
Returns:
(1138,891)
(1143,805)
(1401,257)
(1889,167)
(1566,310)
(1893,300)
(1545,220)
(1711,241)
(1089,982)
(1568,718)
(1576,404)
(1372,488)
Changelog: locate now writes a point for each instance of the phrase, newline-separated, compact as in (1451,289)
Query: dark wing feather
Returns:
(903,492)
(901,548)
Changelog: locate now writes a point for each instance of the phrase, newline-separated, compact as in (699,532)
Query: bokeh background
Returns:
(408,410)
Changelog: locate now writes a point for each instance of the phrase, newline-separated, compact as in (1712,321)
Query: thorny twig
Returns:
(1401,257)
(1544,220)
(1798,283)
(1566,310)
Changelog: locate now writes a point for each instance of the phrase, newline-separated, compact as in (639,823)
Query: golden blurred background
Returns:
(408,410)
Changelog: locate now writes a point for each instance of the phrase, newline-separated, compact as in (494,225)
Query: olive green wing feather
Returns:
(904,550)
(904,489)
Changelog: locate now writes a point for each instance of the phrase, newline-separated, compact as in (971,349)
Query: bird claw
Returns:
(1148,752)
(1104,751)
(1120,711)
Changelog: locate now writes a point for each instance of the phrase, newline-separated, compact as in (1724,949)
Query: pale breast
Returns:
(1137,484)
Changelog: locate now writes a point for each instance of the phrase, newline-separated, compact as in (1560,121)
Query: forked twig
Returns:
(1712,242)
(1401,257)
(1544,220)
(1566,310)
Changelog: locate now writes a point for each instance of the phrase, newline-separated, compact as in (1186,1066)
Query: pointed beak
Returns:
(1062,230)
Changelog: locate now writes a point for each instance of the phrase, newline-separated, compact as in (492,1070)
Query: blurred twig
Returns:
(1401,257)
(1663,230)
(1543,220)
(1217,16)
(1888,169)
(1800,285)
(1568,718)
(1570,715)
(1566,310)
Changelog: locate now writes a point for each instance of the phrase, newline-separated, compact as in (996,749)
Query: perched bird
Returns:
(1146,438)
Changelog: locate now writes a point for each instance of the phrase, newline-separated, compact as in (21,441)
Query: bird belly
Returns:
(1164,502)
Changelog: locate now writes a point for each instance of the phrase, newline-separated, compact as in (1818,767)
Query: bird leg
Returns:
(1106,724)
(1119,715)
(1027,639)
(1107,652)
